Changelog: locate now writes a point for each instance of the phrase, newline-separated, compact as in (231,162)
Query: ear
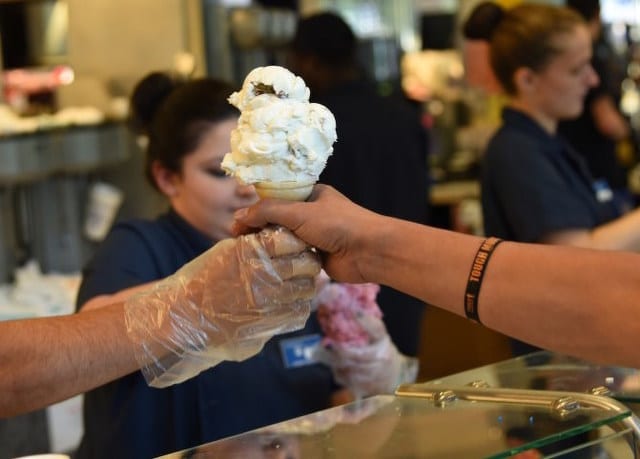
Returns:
(525,80)
(165,179)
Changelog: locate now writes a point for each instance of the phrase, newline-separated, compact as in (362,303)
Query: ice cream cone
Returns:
(291,191)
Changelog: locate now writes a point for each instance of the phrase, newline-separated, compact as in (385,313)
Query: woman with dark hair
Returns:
(188,127)
(535,187)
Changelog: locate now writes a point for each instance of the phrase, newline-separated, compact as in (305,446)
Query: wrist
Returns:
(375,249)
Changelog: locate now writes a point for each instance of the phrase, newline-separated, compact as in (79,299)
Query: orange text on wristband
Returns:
(478,268)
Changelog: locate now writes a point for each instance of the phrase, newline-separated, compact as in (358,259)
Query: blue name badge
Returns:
(602,190)
(299,351)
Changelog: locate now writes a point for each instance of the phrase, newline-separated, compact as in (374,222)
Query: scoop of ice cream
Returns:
(281,136)
(339,306)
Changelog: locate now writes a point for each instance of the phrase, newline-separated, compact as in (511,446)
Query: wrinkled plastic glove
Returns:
(223,305)
(374,368)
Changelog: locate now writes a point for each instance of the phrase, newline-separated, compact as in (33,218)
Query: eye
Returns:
(217,173)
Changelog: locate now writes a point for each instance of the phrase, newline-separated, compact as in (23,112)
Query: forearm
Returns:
(424,262)
(608,119)
(574,301)
(620,234)
(554,297)
(47,360)
(121,296)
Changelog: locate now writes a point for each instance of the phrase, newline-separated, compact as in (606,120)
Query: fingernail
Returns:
(240,214)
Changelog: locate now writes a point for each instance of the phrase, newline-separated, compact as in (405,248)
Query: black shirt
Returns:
(534,184)
(128,419)
(380,162)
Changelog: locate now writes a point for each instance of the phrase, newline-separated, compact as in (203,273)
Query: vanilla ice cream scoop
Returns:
(282,141)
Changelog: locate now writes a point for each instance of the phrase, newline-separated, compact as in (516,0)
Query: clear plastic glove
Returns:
(370,369)
(223,305)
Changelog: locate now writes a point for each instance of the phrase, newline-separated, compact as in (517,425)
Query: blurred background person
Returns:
(535,186)
(475,47)
(601,129)
(380,157)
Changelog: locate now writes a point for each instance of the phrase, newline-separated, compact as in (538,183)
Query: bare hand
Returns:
(329,222)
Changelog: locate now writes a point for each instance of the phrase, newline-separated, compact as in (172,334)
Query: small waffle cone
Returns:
(291,191)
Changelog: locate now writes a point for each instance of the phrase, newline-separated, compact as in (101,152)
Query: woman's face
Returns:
(558,90)
(202,194)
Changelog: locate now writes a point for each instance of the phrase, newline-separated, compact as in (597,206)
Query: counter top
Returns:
(479,413)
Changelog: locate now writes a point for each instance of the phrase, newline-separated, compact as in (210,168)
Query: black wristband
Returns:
(479,266)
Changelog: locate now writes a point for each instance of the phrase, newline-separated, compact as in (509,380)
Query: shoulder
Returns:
(513,149)
(133,236)
(131,245)
(131,254)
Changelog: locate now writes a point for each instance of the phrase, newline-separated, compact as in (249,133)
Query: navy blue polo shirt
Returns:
(534,184)
(128,419)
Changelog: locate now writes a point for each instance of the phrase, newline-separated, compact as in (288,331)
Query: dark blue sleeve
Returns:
(531,193)
(124,259)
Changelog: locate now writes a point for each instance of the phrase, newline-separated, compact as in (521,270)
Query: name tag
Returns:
(602,190)
(299,351)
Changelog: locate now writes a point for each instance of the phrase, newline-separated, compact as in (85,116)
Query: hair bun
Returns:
(147,97)
(482,21)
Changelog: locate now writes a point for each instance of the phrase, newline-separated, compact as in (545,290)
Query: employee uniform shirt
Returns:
(128,419)
(534,184)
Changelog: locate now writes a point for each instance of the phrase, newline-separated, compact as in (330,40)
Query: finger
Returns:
(290,214)
(283,319)
(289,291)
(305,264)
(279,241)
(239,229)
(374,326)
(265,212)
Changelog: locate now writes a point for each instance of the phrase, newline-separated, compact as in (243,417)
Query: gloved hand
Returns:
(374,368)
(223,305)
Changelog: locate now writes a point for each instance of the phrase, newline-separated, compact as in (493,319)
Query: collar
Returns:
(524,122)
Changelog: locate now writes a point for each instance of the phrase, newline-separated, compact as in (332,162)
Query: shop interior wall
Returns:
(112,43)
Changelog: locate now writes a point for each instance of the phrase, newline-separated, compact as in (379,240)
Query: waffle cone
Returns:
(291,191)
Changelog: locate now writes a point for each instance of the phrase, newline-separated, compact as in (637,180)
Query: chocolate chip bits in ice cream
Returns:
(282,141)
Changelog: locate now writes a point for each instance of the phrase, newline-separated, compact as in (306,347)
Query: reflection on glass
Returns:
(545,370)
(406,427)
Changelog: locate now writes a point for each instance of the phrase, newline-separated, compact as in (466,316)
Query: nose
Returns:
(246,191)
(593,79)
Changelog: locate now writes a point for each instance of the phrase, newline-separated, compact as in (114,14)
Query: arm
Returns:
(223,305)
(608,119)
(105,300)
(47,360)
(620,234)
(570,300)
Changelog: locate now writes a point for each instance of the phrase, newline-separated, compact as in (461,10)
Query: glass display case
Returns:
(541,405)
(545,370)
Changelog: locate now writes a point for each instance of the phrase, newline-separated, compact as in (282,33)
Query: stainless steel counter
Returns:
(34,156)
